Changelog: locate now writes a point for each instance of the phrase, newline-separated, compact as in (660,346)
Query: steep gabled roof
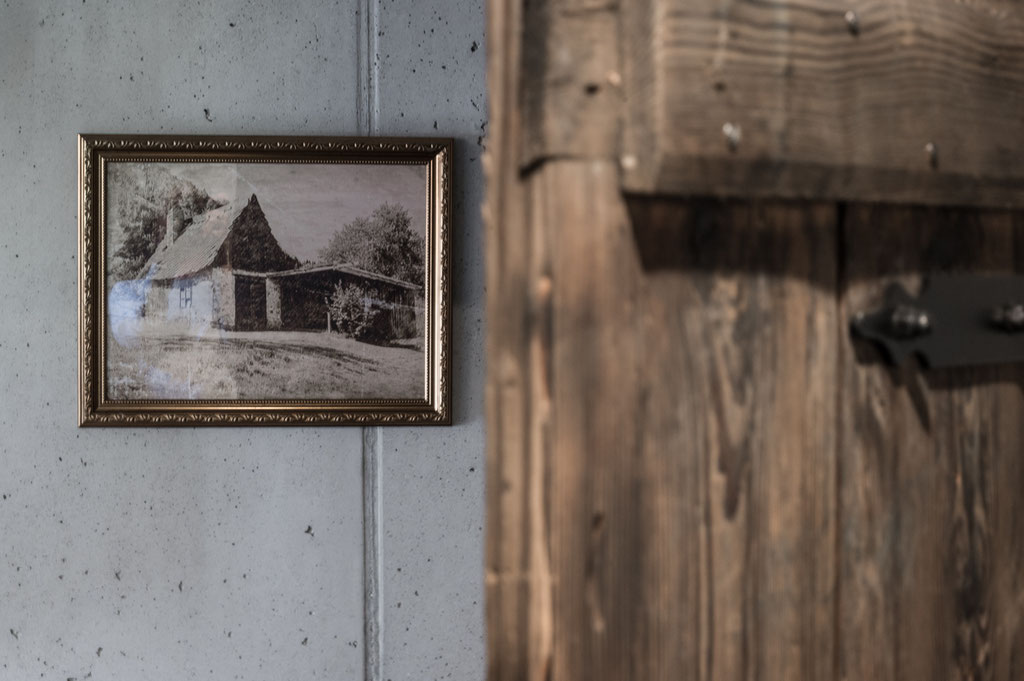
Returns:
(236,236)
(196,248)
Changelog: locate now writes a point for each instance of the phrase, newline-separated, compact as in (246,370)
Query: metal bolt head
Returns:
(852,22)
(907,321)
(733,134)
(1009,317)
(1016,316)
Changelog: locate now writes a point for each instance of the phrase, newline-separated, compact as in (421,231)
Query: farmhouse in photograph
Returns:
(225,269)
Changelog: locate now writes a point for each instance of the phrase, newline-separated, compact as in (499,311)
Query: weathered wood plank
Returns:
(663,457)
(826,111)
(596,529)
(515,575)
(572,86)
(692,473)
(738,451)
(930,472)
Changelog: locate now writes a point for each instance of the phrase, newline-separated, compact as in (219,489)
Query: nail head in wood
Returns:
(907,321)
(733,135)
(852,22)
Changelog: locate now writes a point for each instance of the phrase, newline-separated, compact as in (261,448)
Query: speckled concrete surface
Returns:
(432,81)
(230,553)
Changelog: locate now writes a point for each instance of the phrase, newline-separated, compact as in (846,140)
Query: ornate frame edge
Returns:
(436,411)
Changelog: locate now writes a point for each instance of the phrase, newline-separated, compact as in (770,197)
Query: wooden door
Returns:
(694,472)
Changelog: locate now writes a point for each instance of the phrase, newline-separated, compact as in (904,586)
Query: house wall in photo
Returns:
(251,302)
(229,553)
(273,293)
(223,297)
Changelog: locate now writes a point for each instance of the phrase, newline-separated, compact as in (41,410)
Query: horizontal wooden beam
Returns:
(919,101)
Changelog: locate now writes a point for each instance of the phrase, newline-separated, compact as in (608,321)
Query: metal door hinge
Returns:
(956,321)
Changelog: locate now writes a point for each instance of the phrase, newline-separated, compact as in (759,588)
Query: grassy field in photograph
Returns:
(261,365)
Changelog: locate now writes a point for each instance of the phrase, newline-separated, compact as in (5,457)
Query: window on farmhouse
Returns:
(185,294)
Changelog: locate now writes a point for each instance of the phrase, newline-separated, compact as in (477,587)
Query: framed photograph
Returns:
(264,280)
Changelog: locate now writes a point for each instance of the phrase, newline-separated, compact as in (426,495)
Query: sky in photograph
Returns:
(306,203)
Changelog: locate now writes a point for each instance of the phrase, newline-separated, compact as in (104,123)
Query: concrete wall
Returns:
(231,553)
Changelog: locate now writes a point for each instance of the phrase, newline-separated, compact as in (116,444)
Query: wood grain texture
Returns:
(930,471)
(737,453)
(572,87)
(517,565)
(826,112)
(662,461)
(692,471)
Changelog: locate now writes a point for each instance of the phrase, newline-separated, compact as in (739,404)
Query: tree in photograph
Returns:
(144,196)
(360,316)
(384,243)
(144,228)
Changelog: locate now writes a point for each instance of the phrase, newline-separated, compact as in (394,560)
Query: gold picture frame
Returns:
(193,311)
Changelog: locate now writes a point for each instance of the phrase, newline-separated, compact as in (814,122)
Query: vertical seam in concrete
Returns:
(362,69)
(372,511)
(373,78)
(367,110)
(367,115)
(368,52)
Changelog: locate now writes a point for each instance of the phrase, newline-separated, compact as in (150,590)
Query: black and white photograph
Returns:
(263,281)
(230,280)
